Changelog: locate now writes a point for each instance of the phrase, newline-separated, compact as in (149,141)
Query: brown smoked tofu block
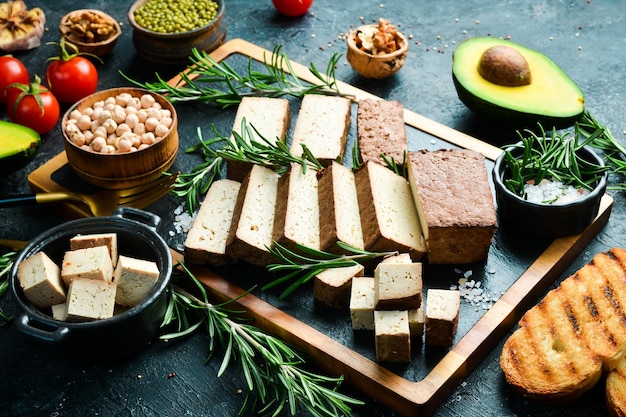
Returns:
(442,316)
(206,240)
(381,130)
(297,218)
(393,336)
(268,117)
(332,286)
(398,286)
(322,125)
(340,219)
(452,193)
(388,215)
(252,226)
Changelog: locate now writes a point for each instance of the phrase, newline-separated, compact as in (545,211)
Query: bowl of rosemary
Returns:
(549,185)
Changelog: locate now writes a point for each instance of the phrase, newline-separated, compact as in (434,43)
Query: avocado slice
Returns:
(547,96)
(18,146)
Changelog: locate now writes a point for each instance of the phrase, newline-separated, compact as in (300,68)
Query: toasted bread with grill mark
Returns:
(616,390)
(565,342)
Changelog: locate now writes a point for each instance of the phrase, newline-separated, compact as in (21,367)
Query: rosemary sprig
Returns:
(272,369)
(6,262)
(552,157)
(301,266)
(206,80)
(249,146)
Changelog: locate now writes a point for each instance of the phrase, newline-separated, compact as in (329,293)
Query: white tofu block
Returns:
(92,263)
(442,316)
(90,299)
(332,286)
(135,278)
(59,311)
(40,279)
(362,302)
(97,239)
(393,336)
(401,258)
(398,286)
(206,240)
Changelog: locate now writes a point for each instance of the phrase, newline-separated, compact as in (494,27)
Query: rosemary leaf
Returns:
(6,263)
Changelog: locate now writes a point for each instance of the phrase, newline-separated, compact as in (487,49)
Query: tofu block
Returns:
(362,303)
(40,279)
(398,286)
(134,278)
(442,316)
(393,336)
(322,125)
(401,258)
(381,130)
(252,227)
(388,215)
(416,322)
(266,118)
(97,239)
(206,240)
(340,219)
(90,299)
(59,311)
(297,218)
(332,286)
(92,263)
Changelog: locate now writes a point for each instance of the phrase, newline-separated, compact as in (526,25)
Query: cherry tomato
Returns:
(33,105)
(292,7)
(71,77)
(11,71)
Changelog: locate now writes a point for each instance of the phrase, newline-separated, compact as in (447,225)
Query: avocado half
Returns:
(551,98)
(18,146)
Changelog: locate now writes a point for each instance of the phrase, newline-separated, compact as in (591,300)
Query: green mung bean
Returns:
(175,16)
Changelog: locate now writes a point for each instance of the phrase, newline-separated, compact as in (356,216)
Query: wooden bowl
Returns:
(380,65)
(122,170)
(99,48)
(176,48)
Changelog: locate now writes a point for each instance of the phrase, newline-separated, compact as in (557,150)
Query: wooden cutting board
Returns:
(407,398)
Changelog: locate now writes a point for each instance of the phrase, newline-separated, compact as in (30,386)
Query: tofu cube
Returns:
(362,303)
(442,316)
(40,279)
(398,286)
(59,311)
(94,240)
(91,263)
(416,322)
(332,286)
(135,278)
(90,299)
(393,336)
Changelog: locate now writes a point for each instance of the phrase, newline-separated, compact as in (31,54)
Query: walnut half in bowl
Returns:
(91,31)
(377,50)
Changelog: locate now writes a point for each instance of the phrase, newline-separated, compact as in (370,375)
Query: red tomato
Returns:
(11,71)
(292,7)
(73,79)
(34,106)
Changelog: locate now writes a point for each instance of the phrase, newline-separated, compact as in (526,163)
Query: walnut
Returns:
(88,26)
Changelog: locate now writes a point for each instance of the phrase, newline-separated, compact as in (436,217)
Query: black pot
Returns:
(545,220)
(109,339)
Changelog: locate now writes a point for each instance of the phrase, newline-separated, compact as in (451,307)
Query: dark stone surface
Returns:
(586,38)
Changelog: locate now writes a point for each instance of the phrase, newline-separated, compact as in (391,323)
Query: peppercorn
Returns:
(175,16)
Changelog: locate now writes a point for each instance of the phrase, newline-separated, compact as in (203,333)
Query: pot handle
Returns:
(54,335)
(149,219)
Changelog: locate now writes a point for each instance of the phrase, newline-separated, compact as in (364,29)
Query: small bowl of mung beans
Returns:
(167,31)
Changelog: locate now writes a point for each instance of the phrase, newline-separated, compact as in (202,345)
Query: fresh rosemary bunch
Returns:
(272,369)
(301,266)
(244,147)
(208,81)
(552,157)
(6,262)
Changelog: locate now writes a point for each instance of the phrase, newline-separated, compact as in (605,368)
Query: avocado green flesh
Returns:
(18,146)
(551,96)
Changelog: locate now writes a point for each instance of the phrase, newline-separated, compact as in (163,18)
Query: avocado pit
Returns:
(505,66)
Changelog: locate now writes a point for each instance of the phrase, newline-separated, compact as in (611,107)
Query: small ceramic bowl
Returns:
(176,48)
(380,65)
(76,23)
(121,170)
(545,220)
(108,339)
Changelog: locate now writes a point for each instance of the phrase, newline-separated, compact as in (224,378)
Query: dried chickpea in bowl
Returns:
(121,137)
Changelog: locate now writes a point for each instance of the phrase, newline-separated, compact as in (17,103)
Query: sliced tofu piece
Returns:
(332,286)
(97,239)
(40,279)
(393,336)
(59,311)
(90,299)
(135,279)
(416,322)
(442,316)
(92,263)
(398,286)
(206,240)
(362,301)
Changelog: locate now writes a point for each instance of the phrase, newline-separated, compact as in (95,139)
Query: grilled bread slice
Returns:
(616,390)
(565,342)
